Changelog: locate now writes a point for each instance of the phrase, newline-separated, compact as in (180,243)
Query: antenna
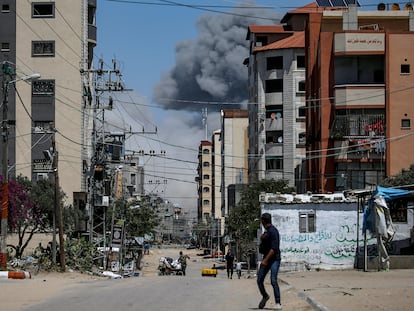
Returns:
(204,114)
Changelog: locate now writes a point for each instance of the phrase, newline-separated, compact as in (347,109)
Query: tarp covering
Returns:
(391,194)
(377,219)
(377,206)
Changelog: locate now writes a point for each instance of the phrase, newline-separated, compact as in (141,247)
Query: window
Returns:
(274,112)
(206,189)
(302,112)
(300,62)
(274,137)
(133,179)
(405,68)
(206,164)
(406,123)
(43,127)
(5,8)
(206,202)
(5,47)
(398,210)
(274,163)
(43,87)
(206,151)
(206,176)
(274,85)
(261,41)
(301,88)
(307,222)
(274,62)
(43,9)
(43,48)
(302,138)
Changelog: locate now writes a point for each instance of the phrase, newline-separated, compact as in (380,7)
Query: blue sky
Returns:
(143,37)
(168,47)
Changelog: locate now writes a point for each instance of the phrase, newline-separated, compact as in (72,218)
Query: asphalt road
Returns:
(153,292)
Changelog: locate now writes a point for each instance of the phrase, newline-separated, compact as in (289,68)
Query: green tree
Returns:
(243,221)
(139,215)
(405,177)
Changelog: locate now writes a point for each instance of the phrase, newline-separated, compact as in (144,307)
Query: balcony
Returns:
(360,126)
(274,149)
(360,95)
(360,149)
(274,124)
(92,33)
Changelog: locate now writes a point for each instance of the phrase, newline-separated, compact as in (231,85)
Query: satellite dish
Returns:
(273,116)
(280,139)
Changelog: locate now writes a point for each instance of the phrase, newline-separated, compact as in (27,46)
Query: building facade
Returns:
(56,40)
(205,181)
(359,112)
(234,151)
(222,165)
(217,184)
(276,67)
(346,76)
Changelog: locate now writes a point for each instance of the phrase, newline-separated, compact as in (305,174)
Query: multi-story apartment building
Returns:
(359,91)
(205,181)
(56,40)
(234,152)
(217,184)
(276,75)
(222,164)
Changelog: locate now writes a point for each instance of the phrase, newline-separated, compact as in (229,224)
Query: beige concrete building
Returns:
(205,181)
(56,40)
(217,184)
(234,152)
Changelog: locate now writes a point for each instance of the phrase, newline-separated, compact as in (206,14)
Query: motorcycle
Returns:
(169,266)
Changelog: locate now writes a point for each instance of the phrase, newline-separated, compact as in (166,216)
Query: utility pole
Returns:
(5,188)
(8,72)
(103,81)
(58,211)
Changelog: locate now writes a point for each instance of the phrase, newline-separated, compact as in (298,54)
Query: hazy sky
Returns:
(178,57)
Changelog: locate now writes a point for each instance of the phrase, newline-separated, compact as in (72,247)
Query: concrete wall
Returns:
(335,242)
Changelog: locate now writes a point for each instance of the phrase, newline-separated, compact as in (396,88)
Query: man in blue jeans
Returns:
(269,247)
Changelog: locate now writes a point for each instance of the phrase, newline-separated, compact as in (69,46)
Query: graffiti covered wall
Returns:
(333,242)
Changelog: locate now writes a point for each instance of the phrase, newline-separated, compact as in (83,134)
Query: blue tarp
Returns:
(390,194)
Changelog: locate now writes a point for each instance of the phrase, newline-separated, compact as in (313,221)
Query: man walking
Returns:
(229,263)
(269,247)
(183,261)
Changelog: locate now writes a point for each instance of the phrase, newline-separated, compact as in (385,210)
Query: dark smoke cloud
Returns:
(210,68)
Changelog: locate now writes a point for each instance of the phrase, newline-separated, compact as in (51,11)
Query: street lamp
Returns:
(7,74)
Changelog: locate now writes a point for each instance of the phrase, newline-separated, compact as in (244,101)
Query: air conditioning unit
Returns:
(42,176)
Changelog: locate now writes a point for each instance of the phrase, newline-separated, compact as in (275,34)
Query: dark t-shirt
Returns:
(229,259)
(270,239)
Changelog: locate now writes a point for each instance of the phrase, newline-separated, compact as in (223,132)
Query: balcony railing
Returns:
(358,125)
(358,149)
(92,33)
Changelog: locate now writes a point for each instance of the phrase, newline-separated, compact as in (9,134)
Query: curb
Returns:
(312,302)
(15,275)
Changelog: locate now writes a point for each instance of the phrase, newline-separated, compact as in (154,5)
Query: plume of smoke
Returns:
(210,68)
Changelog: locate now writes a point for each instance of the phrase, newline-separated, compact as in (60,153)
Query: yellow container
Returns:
(209,272)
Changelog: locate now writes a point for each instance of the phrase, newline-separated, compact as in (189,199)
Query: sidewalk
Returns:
(352,289)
